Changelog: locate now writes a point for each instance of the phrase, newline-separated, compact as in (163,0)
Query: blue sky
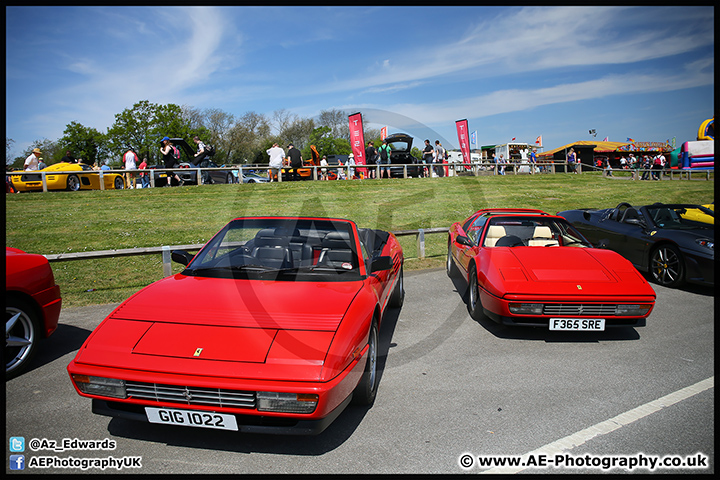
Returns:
(640,72)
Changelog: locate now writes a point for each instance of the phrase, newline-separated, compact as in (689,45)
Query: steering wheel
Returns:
(509,241)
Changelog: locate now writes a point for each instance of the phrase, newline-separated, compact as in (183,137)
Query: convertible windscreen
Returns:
(533,232)
(281,249)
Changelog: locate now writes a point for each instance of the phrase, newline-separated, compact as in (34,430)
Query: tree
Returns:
(144,125)
(84,142)
(218,124)
(247,137)
(326,144)
(337,121)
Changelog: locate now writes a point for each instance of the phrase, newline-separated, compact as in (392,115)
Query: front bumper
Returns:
(497,309)
(528,321)
(246,423)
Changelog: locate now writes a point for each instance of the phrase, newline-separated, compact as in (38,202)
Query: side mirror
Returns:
(463,240)
(181,256)
(381,263)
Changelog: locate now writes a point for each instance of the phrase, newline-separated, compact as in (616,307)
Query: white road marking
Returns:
(602,428)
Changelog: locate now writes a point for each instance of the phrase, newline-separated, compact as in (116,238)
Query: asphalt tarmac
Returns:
(453,393)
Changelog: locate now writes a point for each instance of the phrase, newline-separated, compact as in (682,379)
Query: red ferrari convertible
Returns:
(271,328)
(32,307)
(526,267)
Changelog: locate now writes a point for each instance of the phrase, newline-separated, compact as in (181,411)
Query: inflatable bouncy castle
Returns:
(699,154)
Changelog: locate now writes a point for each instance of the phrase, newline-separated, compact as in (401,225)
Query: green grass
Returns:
(58,222)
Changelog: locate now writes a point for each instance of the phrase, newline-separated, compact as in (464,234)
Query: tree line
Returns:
(237,139)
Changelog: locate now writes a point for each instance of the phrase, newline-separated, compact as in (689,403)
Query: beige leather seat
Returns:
(542,236)
(494,233)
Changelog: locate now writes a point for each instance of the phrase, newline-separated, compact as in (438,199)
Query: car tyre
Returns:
(450,267)
(21,335)
(397,298)
(366,391)
(119,183)
(474,305)
(73,183)
(666,266)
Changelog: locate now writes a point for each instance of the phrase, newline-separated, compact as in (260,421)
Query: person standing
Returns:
(323,168)
(201,159)
(501,165)
(372,158)
(351,164)
(427,158)
(31,162)
(105,165)
(41,164)
(439,157)
(171,157)
(130,161)
(295,158)
(384,153)
(68,158)
(572,159)
(144,175)
(277,155)
(533,161)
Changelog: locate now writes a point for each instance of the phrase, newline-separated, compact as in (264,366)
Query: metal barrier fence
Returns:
(165,250)
(454,169)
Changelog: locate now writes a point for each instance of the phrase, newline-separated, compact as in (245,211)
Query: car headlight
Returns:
(706,242)
(633,310)
(526,308)
(106,387)
(286,402)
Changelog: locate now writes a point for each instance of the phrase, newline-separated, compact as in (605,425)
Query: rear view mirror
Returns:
(463,240)
(181,256)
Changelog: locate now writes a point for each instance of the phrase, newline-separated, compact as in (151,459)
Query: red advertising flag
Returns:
(464,139)
(357,140)
(383,133)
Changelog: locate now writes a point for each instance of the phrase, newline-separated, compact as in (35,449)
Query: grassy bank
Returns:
(59,222)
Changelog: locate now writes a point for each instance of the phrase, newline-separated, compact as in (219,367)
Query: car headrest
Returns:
(336,240)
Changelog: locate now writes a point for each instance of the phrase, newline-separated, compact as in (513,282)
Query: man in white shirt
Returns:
(277,155)
(31,162)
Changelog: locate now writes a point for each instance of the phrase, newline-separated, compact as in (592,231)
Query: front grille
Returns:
(217,397)
(577,310)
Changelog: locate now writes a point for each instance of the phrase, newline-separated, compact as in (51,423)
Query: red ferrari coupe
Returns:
(32,307)
(526,267)
(271,328)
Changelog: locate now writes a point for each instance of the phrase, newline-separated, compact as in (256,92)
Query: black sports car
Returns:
(660,239)
(400,145)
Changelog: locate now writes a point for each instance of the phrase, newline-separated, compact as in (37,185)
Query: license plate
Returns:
(191,418)
(578,324)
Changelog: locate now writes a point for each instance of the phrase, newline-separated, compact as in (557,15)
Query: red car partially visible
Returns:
(272,327)
(528,268)
(32,307)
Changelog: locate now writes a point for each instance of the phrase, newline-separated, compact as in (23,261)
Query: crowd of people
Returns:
(434,160)
(652,166)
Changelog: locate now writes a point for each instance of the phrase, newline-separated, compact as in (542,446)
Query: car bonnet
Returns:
(566,271)
(232,328)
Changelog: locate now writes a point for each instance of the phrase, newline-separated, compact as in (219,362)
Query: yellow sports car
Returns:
(66,176)
(699,214)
